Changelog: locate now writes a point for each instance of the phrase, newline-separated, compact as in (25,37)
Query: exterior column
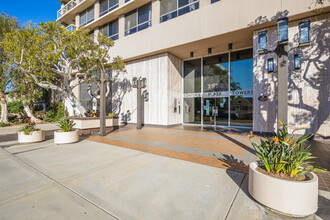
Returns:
(96,33)
(121,26)
(155,5)
(97,9)
(77,20)
(282,85)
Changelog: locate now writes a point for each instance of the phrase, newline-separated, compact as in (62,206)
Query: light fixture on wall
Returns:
(191,54)
(282,30)
(135,82)
(270,65)
(209,51)
(230,46)
(297,62)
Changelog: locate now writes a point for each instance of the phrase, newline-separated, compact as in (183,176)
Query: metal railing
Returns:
(70,5)
(71,27)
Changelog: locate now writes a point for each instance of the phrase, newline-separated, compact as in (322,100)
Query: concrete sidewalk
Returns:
(90,180)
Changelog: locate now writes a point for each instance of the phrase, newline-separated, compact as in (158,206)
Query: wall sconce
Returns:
(135,82)
(270,64)
(209,51)
(143,82)
(297,61)
(230,46)
(282,29)
(191,54)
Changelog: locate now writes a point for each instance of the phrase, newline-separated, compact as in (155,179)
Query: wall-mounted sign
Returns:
(218,94)
(263,98)
(191,95)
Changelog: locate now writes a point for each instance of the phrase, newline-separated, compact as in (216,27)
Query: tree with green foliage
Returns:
(59,59)
(7,24)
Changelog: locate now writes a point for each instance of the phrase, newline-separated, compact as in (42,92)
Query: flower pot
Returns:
(297,198)
(66,137)
(34,136)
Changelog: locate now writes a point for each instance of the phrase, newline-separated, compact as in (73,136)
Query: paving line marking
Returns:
(66,187)
(239,188)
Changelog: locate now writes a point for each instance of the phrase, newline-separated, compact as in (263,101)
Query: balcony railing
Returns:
(71,27)
(70,5)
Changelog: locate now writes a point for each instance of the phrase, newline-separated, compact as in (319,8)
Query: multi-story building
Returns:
(237,63)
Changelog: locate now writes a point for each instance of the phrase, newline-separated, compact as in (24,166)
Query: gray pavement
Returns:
(13,129)
(90,180)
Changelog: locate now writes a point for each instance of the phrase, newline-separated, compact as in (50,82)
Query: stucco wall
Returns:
(308,88)
(163,85)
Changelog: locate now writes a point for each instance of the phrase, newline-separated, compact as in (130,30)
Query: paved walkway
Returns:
(227,148)
(91,180)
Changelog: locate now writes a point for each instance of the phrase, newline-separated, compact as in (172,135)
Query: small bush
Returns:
(66,124)
(4,124)
(27,129)
(111,115)
(55,112)
(15,107)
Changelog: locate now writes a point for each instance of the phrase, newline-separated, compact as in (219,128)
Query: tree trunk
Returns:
(29,113)
(4,108)
(76,105)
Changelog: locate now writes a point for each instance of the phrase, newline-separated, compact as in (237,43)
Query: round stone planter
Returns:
(294,198)
(34,136)
(66,137)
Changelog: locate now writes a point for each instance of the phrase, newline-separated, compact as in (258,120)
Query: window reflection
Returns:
(192,110)
(241,111)
(192,76)
(241,70)
(215,73)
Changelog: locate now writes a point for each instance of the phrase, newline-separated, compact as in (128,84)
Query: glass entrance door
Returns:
(215,111)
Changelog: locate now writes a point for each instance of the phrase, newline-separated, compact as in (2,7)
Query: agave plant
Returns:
(66,124)
(284,154)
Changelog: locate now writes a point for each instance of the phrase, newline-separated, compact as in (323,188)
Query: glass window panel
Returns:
(103,6)
(113,28)
(182,3)
(189,8)
(130,20)
(83,18)
(167,6)
(144,26)
(215,73)
(215,111)
(144,13)
(213,1)
(192,110)
(90,14)
(105,30)
(192,76)
(241,111)
(169,16)
(241,70)
(115,37)
(263,41)
(283,30)
(304,32)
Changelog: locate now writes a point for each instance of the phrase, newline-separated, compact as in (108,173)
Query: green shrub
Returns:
(111,115)
(4,124)
(15,107)
(66,124)
(27,129)
(55,112)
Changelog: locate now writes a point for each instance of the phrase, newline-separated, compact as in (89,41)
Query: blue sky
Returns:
(31,10)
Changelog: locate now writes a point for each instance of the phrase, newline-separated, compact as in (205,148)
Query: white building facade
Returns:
(232,63)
